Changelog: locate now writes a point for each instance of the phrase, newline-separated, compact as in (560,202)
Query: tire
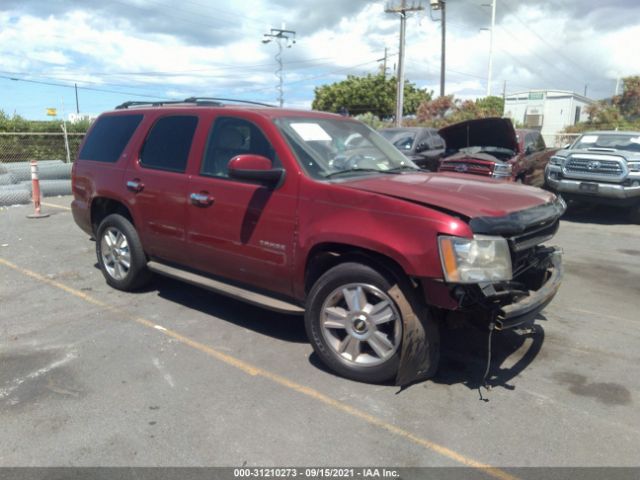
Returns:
(334,324)
(117,230)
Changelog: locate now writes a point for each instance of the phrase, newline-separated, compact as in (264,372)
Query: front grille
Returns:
(533,236)
(523,246)
(593,166)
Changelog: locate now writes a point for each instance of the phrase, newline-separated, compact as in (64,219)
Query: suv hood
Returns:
(462,194)
(627,155)
(482,132)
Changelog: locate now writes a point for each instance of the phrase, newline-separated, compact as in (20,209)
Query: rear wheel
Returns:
(120,254)
(353,324)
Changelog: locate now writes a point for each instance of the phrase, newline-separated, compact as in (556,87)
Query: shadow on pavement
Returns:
(463,350)
(289,328)
(464,356)
(600,214)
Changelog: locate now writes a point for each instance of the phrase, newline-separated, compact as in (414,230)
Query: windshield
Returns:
(401,139)
(331,147)
(621,141)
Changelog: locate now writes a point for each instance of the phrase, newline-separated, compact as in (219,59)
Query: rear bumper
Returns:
(525,310)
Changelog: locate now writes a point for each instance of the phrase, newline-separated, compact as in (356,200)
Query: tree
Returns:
(367,94)
(447,110)
(621,112)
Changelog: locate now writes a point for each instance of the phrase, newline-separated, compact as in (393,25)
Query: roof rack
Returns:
(203,101)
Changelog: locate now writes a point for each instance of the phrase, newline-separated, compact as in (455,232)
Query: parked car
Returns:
(493,148)
(272,207)
(422,145)
(599,167)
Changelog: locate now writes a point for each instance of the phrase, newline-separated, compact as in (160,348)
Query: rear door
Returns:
(245,231)
(158,186)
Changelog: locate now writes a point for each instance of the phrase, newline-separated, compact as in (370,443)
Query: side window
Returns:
(540,145)
(529,142)
(108,137)
(230,137)
(167,145)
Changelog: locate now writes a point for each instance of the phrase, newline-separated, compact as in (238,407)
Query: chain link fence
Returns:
(54,153)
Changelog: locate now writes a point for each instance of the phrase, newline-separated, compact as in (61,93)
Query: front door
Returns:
(237,229)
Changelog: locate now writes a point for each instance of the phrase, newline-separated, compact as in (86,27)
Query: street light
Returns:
(289,36)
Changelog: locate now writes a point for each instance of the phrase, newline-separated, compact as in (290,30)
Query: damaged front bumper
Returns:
(527,307)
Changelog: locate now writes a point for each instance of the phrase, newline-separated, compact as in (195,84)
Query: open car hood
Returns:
(482,132)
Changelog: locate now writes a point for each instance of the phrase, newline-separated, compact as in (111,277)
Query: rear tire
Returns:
(120,254)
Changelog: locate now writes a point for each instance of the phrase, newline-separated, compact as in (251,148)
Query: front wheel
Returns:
(354,325)
(120,254)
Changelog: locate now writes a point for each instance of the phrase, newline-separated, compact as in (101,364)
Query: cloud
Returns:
(207,47)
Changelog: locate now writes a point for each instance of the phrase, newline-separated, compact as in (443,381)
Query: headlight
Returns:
(555,160)
(633,166)
(502,170)
(481,259)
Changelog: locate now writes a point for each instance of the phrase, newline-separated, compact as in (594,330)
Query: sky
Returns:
(119,50)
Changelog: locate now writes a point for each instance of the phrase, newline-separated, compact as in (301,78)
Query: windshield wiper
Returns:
(401,168)
(356,170)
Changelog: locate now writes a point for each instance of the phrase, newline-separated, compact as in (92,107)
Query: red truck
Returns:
(276,208)
(492,147)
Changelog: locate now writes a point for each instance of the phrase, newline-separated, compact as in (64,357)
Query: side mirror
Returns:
(528,150)
(255,168)
(565,146)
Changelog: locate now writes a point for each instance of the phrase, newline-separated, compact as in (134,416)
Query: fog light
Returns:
(635,183)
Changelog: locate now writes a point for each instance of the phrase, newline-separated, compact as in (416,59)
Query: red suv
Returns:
(276,208)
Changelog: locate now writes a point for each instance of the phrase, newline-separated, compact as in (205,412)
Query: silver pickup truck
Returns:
(599,167)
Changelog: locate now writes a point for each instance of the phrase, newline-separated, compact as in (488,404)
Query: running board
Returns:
(225,289)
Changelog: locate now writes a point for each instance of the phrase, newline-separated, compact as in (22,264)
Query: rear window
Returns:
(108,137)
(168,144)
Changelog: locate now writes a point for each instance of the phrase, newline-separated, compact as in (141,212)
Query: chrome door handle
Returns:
(135,185)
(202,199)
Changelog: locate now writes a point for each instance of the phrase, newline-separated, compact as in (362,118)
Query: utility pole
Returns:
(384,65)
(441,5)
(493,24)
(504,90)
(586,86)
(279,35)
(401,9)
(77,105)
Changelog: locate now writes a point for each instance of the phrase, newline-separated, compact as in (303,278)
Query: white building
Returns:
(551,111)
(79,117)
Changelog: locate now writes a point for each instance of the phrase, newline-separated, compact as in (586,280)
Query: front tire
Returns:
(353,324)
(120,255)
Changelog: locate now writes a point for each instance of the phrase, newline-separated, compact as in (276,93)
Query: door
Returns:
(240,230)
(158,184)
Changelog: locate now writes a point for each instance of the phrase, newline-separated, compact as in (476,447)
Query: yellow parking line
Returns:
(280,380)
(53,205)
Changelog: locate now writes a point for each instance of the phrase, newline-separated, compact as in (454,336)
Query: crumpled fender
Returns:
(420,349)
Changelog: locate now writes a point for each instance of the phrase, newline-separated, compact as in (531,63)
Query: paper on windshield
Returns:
(310,132)
(589,139)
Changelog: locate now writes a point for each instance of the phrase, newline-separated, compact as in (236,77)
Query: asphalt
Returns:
(178,376)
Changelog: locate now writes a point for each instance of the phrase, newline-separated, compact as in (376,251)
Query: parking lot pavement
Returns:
(175,375)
